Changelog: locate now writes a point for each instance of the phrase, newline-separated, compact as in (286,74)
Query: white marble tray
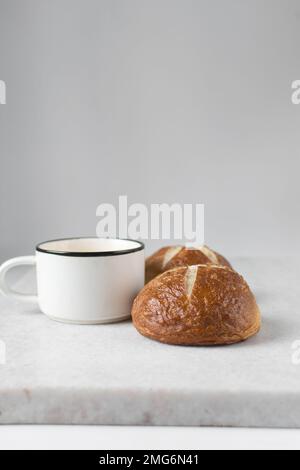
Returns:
(109,374)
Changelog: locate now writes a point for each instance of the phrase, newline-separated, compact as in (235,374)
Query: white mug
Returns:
(83,280)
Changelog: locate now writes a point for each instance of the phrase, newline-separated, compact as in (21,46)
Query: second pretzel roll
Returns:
(171,257)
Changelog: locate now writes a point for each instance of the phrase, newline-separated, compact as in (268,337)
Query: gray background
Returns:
(163,100)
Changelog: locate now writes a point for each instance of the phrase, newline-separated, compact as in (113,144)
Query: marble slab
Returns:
(109,374)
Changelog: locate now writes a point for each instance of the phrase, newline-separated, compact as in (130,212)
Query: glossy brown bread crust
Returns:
(197,305)
(171,257)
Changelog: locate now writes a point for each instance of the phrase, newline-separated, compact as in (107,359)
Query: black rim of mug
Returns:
(89,254)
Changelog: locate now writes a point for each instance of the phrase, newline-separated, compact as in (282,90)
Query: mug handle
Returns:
(4,287)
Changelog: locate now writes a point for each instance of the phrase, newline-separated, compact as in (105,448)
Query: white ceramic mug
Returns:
(83,280)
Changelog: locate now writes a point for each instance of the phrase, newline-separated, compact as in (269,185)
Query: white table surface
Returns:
(111,375)
(145,438)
